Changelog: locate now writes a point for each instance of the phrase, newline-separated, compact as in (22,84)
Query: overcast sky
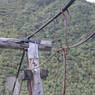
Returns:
(92,1)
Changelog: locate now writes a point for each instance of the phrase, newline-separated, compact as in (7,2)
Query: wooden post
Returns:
(33,58)
(34,85)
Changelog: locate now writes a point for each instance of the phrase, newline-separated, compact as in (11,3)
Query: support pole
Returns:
(33,58)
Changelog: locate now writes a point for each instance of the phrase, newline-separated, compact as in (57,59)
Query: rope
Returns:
(83,41)
(18,71)
(65,50)
(65,72)
(66,28)
(80,43)
(52,19)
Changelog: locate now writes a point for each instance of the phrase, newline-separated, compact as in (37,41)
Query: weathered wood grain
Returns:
(13,43)
(33,58)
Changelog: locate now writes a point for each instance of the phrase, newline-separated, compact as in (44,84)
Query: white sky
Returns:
(92,1)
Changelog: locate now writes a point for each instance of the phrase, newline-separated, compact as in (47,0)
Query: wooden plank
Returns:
(36,83)
(14,43)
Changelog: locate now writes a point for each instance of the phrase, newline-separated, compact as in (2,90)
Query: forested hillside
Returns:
(20,18)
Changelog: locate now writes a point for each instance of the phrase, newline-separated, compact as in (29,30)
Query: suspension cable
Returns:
(52,19)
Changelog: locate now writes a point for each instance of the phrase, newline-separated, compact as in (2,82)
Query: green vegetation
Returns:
(19,18)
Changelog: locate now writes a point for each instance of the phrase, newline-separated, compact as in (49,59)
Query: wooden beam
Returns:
(13,43)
